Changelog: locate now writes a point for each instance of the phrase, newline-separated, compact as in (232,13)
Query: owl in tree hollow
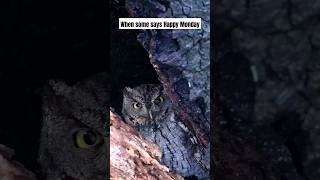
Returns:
(148,109)
(73,143)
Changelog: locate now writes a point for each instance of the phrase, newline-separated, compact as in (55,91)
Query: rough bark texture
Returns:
(277,43)
(235,159)
(181,59)
(132,157)
(10,169)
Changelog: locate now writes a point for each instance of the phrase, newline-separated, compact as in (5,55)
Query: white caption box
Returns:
(159,23)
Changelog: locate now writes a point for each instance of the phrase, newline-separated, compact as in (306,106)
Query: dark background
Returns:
(42,40)
(63,40)
(267,81)
(130,65)
(70,40)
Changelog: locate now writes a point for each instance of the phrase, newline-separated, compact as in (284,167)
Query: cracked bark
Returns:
(181,59)
(281,41)
(132,157)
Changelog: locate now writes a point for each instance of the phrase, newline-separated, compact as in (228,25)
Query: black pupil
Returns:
(137,105)
(157,101)
(90,137)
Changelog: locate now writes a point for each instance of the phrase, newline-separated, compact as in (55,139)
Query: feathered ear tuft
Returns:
(50,92)
(59,87)
(127,90)
(160,87)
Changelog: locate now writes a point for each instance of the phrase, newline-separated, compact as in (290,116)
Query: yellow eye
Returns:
(137,105)
(159,100)
(85,139)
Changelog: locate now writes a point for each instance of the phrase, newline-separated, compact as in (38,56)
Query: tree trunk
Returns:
(10,169)
(131,156)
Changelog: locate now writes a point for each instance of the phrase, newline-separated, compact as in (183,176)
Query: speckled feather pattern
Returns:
(174,139)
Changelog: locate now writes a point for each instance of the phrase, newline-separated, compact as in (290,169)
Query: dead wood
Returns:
(131,156)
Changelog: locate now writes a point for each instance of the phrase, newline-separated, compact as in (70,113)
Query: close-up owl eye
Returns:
(85,139)
(136,105)
(159,100)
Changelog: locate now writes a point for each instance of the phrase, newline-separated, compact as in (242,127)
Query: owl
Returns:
(73,143)
(151,112)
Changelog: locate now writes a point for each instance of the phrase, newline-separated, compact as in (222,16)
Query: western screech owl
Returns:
(73,141)
(148,109)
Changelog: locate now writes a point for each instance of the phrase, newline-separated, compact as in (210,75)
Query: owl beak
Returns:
(150,115)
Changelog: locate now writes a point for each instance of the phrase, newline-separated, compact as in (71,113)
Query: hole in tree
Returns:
(130,64)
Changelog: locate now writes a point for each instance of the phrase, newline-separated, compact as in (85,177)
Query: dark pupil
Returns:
(157,101)
(90,137)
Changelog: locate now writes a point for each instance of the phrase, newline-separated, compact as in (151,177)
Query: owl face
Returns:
(144,104)
(73,141)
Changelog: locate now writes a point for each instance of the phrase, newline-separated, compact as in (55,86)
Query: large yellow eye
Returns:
(85,139)
(137,105)
(159,100)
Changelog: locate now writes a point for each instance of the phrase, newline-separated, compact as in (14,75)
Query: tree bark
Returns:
(132,157)
(10,169)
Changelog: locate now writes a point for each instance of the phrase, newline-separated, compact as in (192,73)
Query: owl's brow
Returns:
(136,98)
(156,94)
(86,121)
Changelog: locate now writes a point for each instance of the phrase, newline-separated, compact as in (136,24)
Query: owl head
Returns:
(73,142)
(144,104)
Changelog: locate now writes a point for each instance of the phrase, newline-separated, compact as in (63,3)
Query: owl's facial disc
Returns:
(141,120)
(138,121)
(144,105)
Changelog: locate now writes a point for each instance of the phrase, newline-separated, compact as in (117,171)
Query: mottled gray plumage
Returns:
(73,139)
(156,120)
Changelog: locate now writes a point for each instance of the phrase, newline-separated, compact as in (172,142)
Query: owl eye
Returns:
(158,100)
(85,139)
(137,105)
